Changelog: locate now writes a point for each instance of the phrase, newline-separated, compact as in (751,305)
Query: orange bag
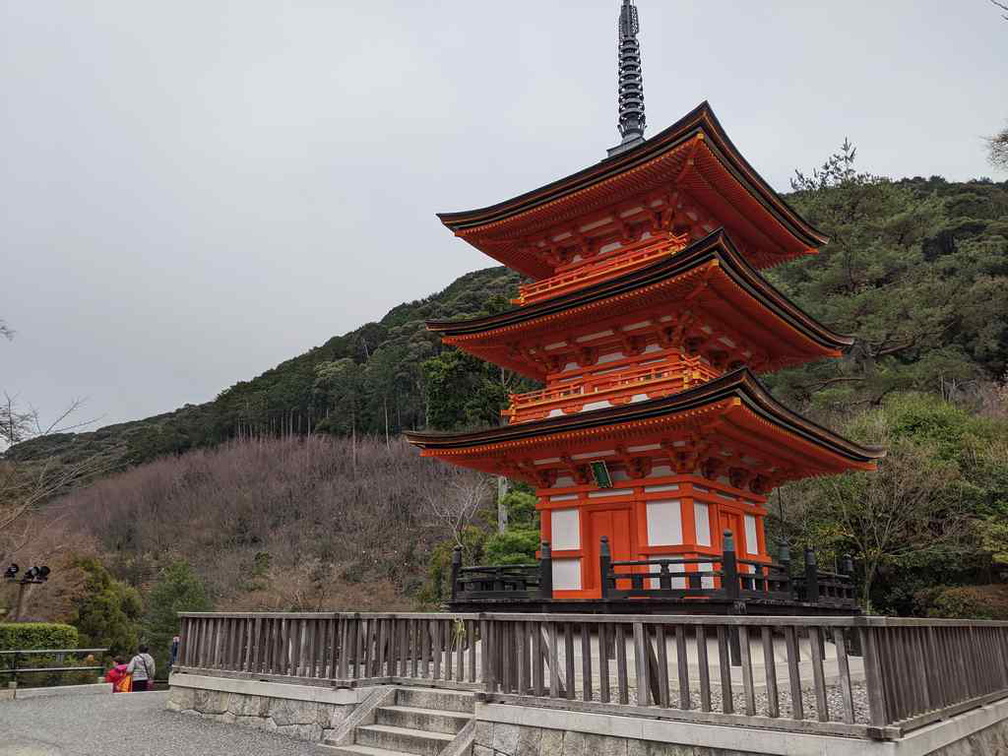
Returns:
(125,684)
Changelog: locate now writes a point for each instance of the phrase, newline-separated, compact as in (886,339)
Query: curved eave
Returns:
(700,120)
(739,384)
(714,247)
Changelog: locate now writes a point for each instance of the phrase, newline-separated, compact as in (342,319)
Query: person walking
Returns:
(141,667)
(119,677)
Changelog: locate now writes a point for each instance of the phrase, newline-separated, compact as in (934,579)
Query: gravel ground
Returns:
(131,725)
(834,698)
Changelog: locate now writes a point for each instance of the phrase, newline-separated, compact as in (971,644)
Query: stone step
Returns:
(357,750)
(436,698)
(428,720)
(403,739)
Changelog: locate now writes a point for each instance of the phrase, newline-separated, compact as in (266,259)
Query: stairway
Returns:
(420,722)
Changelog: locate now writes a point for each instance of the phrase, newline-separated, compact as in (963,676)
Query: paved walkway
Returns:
(127,725)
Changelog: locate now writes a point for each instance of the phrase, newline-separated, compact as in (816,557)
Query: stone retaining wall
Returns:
(992,741)
(496,739)
(504,730)
(301,712)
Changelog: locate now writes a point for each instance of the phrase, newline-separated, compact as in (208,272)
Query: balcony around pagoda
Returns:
(610,389)
(705,300)
(623,259)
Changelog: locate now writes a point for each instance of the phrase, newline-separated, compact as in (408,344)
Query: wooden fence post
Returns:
(874,682)
(811,576)
(545,571)
(486,655)
(605,565)
(456,567)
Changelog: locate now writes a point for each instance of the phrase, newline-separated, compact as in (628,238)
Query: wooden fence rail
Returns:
(857,676)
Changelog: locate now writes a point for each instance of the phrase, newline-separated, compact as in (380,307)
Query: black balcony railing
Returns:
(719,578)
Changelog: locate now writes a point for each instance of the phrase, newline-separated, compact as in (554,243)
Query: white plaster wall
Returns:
(664,522)
(702,518)
(752,544)
(566,529)
(566,574)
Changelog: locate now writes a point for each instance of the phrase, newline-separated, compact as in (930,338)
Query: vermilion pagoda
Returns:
(646,320)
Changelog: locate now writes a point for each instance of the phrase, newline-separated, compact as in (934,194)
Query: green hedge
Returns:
(28,636)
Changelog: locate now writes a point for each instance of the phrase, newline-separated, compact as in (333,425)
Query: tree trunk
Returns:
(385,407)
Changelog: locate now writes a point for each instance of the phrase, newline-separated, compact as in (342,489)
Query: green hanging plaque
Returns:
(601,474)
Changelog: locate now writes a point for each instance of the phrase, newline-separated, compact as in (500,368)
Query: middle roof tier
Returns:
(704,301)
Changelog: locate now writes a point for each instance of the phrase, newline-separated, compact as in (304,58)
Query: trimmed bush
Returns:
(29,636)
(988,602)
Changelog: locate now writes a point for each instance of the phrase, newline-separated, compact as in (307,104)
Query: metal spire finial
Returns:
(631,80)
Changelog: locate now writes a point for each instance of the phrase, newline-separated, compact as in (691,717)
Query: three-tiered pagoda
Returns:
(647,320)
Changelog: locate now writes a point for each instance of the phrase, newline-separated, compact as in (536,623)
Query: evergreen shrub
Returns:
(31,636)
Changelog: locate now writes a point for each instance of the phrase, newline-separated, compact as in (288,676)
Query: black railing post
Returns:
(811,576)
(664,579)
(729,567)
(847,568)
(605,566)
(730,585)
(456,567)
(784,557)
(545,571)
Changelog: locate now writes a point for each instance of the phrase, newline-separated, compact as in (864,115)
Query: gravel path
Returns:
(133,724)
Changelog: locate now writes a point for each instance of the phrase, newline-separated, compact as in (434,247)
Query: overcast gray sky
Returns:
(195,190)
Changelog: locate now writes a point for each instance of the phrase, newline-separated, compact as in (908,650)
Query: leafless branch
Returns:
(836,379)
(26,485)
(56,426)
(455,498)
(1003,7)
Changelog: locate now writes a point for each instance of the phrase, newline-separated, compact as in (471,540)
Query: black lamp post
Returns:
(31,576)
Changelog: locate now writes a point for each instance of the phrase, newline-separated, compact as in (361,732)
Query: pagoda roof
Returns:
(694,153)
(733,410)
(742,299)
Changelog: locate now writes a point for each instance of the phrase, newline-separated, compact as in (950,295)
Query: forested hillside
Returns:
(916,270)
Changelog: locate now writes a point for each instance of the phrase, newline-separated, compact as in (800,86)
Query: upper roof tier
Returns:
(692,163)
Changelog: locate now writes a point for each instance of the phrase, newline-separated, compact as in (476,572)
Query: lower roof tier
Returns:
(730,427)
(706,297)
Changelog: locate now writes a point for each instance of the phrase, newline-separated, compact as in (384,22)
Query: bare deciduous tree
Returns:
(24,488)
(26,485)
(454,499)
(19,424)
(1002,6)
(905,509)
(999,150)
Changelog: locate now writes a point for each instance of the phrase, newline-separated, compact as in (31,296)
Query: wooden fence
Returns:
(855,676)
